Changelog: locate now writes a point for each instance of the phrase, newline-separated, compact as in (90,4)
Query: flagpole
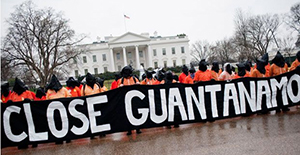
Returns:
(125,23)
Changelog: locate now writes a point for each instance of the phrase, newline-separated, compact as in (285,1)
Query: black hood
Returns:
(228,68)
(260,65)
(126,71)
(203,65)
(175,77)
(54,84)
(185,70)
(144,76)
(215,67)
(241,69)
(169,77)
(248,65)
(72,83)
(100,81)
(19,86)
(192,70)
(40,92)
(265,58)
(149,74)
(278,60)
(5,89)
(90,80)
(160,75)
(298,56)
(79,79)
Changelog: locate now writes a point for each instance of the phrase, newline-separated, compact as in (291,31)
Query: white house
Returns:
(136,49)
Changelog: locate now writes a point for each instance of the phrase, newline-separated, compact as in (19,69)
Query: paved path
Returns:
(258,134)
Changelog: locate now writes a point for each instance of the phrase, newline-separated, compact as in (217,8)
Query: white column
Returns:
(149,56)
(137,57)
(124,56)
(112,63)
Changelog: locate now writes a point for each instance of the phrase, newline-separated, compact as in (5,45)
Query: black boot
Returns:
(59,142)
(138,131)
(22,146)
(129,132)
(34,145)
(68,141)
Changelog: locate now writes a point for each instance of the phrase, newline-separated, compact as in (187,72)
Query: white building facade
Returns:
(138,50)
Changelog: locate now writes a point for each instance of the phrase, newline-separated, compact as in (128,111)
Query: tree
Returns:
(287,46)
(200,50)
(256,33)
(224,51)
(40,40)
(294,18)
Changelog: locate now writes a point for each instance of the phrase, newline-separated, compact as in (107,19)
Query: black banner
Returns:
(140,106)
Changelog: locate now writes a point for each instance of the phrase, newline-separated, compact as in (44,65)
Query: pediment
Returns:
(129,37)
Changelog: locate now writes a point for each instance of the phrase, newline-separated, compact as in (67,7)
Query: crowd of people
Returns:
(94,85)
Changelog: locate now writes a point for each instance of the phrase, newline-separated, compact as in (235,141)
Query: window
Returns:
(163,51)
(173,50)
(183,61)
(182,49)
(86,71)
(165,64)
(141,54)
(155,65)
(76,73)
(105,69)
(74,60)
(154,52)
(94,58)
(84,59)
(104,57)
(119,68)
(129,55)
(174,63)
(118,56)
(95,70)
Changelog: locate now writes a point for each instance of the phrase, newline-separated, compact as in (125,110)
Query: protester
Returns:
(5,92)
(260,70)
(265,58)
(190,78)
(160,75)
(215,71)
(114,84)
(184,74)
(241,71)
(248,68)
(20,93)
(56,90)
(226,74)
(148,80)
(168,78)
(101,82)
(40,94)
(296,62)
(279,66)
(72,87)
(91,87)
(203,74)
(127,77)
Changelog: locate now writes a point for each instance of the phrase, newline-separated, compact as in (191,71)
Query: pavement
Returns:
(266,134)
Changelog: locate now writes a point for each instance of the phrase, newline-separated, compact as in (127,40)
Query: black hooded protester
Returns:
(160,75)
(184,74)
(279,66)
(40,94)
(127,77)
(203,74)
(296,62)
(241,71)
(215,71)
(260,70)
(227,73)
(56,90)
(5,92)
(148,80)
(114,84)
(91,87)
(20,93)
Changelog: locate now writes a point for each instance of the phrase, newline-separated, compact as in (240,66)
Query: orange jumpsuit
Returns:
(202,76)
(114,85)
(163,81)
(128,81)
(294,65)
(182,77)
(63,92)
(89,90)
(267,68)
(75,92)
(225,76)
(5,99)
(26,94)
(40,99)
(275,70)
(256,74)
(189,80)
(148,81)
(214,75)
(103,89)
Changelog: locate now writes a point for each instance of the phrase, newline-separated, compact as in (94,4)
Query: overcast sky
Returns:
(209,20)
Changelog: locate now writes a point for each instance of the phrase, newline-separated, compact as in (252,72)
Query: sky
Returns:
(209,20)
